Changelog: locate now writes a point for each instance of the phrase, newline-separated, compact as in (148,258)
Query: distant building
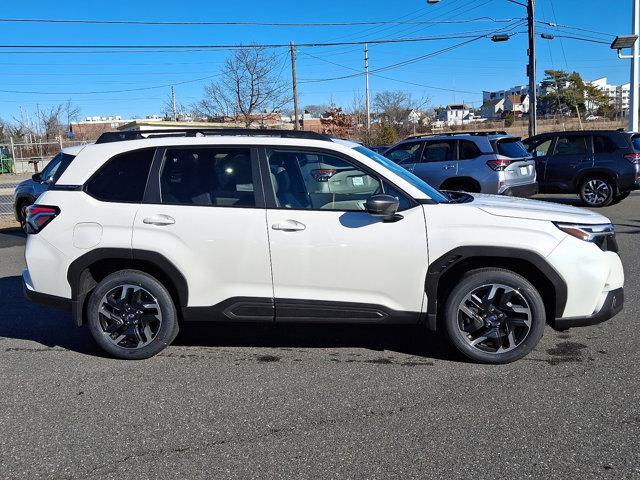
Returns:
(454,114)
(91,127)
(618,94)
(493,109)
(517,104)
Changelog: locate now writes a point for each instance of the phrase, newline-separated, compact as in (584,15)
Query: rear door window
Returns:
(635,140)
(123,178)
(468,150)
(206,176)
(574,145)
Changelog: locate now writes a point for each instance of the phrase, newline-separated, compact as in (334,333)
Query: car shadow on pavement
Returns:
(23,320)
(405,339)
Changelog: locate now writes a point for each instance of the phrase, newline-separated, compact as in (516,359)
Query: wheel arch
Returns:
(87,271)
(444,273)
(596,172)
(20,199)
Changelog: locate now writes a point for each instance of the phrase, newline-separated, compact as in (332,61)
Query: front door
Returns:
(203,214)
(439,162)
(331,260)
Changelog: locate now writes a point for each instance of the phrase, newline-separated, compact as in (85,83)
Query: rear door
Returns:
(438,163)
(204,212)
(572,153)
(541,149)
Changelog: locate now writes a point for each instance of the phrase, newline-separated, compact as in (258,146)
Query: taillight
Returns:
(323,174)
(633,157)
(499,165)
(39,216)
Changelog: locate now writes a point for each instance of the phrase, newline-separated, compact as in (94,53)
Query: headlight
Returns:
(603,235)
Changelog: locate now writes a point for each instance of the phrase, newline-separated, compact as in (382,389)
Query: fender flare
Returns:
(446,262)
(76,269)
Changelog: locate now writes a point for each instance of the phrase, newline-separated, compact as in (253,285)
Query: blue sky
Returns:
(459,75)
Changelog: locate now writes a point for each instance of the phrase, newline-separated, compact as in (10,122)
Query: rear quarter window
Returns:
(123,178)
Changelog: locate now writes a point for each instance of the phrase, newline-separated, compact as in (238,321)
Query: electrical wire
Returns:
(251,24)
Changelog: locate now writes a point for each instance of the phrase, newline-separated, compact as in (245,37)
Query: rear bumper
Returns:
(527,190)
(43,298)
(612,305)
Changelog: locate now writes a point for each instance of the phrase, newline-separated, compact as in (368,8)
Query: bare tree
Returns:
(250,85)
(56,120)
(394,106)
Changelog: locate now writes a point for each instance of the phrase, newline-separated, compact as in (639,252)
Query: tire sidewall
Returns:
(168,328)
(483,277)
(609,199)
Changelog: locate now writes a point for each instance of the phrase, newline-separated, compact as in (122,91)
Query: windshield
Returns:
(511,148)
(406,175)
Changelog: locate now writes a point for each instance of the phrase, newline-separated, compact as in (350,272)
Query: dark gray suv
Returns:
(482,162)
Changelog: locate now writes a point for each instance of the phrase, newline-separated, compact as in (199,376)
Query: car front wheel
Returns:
(494,316)
(131,315)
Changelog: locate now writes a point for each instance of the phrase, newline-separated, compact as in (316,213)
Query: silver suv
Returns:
(481,162)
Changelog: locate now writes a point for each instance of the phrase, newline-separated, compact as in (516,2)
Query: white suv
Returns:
(141,235)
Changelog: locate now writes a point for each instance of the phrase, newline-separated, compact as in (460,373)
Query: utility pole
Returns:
(173,103)
(366,76)
(296,126)
(634,106)
(531,70)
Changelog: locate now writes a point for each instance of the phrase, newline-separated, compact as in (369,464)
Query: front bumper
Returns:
(611,306)
(527,190)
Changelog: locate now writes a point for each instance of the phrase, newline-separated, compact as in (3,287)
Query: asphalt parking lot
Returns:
(317,402)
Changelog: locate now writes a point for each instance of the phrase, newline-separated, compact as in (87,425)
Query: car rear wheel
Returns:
(597,191)
(494,316)
(131,315)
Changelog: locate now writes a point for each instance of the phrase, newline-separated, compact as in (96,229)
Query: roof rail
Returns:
(449,134)
(109,137)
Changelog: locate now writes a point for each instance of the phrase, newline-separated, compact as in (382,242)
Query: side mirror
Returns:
(384,206)
(36,177)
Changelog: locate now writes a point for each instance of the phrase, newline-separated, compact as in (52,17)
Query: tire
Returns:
(22,214)
(497,336)
(135,327)
(597,191)
(620,197)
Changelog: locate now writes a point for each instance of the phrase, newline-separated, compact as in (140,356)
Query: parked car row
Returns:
(602,167)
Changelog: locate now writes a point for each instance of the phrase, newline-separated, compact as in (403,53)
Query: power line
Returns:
(114,91)
(244,46)
(251,24)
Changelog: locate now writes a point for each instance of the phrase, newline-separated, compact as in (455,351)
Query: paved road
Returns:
(317,402)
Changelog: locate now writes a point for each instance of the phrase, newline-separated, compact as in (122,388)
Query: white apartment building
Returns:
(618,94)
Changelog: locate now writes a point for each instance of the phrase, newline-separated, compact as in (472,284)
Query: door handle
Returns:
(159,220)
(448,167)
(289,226)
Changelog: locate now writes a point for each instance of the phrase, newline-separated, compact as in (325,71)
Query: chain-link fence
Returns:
(20,159)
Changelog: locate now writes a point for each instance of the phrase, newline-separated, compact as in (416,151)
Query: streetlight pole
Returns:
(531,66)
(634,108)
